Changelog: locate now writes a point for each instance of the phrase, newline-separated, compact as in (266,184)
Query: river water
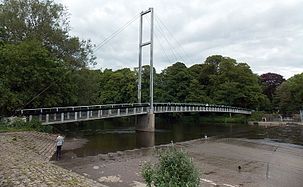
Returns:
(111,135)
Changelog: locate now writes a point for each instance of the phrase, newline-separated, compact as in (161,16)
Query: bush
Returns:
(256,116)
(174,168)
(21,125)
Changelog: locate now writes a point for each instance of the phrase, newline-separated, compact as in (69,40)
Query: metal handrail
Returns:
(123,105)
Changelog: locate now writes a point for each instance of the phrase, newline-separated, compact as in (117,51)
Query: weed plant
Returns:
(175,168)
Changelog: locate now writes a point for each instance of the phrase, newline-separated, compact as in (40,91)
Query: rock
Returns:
(96,167)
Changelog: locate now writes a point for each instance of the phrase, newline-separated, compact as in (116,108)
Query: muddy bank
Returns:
(263,163)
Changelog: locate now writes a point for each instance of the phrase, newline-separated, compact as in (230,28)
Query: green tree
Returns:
(289,95)
(234,84)
(118,86)
(176,80)
(26,71)
(87,86)
(145,84)
(197,93)
(46,22)
(199,84)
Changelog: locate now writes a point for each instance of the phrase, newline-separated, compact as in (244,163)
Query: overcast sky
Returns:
(265,34)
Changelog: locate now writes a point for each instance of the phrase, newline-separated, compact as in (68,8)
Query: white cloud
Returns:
(268,35)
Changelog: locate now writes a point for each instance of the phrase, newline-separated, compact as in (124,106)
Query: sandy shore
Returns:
(262,163)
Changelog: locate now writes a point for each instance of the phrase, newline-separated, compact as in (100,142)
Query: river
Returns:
(111,135)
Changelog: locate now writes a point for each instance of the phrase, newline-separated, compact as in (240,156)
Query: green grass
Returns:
(20,125)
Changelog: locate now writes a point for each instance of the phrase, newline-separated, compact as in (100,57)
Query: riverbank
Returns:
(273,123)
(263,163)
(24,161)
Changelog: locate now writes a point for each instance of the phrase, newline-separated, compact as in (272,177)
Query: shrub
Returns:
(256,116)
(21,125)
(174,168)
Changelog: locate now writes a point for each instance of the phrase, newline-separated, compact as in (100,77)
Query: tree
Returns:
(118,86)
(289,95)
(197,93)
(199,84)
(26,71)
(176,81)
(87,86)
(270,82)
(234,84)
(46,22)
(40,61)
(145,83)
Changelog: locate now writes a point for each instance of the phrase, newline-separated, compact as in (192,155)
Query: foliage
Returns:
(87,86)
(256,116)
(46,22)
(235,84)
(289,95)
(197,93)
(21,125)
(215,118)
(175,168)
(176,81)
(270,81)
(27,69)
(118,86)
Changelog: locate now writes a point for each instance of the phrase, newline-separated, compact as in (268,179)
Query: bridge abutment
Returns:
(146,123)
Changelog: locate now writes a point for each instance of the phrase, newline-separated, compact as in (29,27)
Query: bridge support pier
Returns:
(146,122)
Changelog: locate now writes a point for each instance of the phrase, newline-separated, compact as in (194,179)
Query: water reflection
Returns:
(145,139)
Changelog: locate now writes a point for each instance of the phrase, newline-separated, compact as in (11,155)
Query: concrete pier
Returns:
(146,122)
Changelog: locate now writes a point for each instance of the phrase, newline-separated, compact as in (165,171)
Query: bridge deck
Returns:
(57,115)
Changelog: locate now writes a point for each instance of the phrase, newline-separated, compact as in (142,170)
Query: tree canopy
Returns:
(270,82)
(27,69)
(46,22)
(38,57)
(289,95)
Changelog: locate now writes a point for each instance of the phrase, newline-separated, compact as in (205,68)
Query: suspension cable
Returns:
(163,51)
(117,32)
(158,19)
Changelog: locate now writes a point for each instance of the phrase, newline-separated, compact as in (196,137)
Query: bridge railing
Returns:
(57,115)
(197,107)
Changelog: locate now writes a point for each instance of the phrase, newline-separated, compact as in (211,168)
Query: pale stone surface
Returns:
(110,179)
(96,167)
